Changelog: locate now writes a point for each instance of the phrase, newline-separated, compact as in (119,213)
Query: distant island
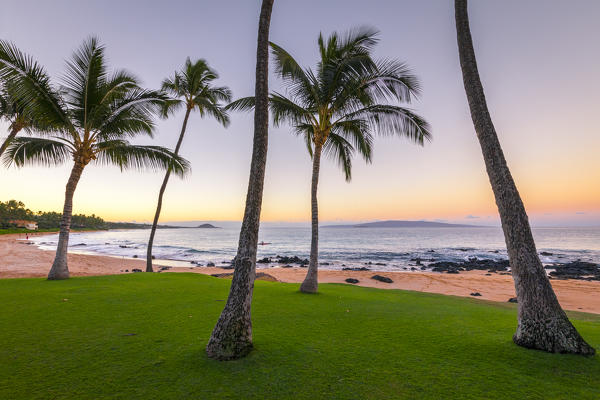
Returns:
(207,226)
(402,224)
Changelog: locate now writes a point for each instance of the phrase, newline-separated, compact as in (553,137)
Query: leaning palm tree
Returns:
(339,107)
(191,87)
(542,324)
(92,115)
(232,336)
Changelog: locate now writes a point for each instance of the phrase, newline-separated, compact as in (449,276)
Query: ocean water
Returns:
(387,249)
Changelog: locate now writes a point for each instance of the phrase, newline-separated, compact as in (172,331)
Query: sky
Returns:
(538,61)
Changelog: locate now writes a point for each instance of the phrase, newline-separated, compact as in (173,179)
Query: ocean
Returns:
(384,249)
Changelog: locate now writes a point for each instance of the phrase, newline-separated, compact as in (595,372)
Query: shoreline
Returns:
(21,259)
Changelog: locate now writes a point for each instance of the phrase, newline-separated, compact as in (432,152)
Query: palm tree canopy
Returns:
(192,87)
(348,98)
(89,116)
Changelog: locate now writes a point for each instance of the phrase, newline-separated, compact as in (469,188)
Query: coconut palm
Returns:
(190,88)
(232,336)
(92,115)
(542,324)
(338,108)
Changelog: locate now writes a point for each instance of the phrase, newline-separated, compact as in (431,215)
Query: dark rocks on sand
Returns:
(382,278)
(513,300)
(324,263)
(135,256)
(291,260)
(381,264)
(352,280)
(287,266)
(136,270)
(576,270)
(153,257)
(355,269)
(476,294)
(210,264)
(472,264)
(545,253)
(265,260)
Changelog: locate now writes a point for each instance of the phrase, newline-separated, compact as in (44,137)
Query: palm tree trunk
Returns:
(542,324)
(311,281)
(232,336)
(13,132)
(161,193)
(59,268)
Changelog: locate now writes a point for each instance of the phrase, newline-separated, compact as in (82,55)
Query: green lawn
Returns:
(142,336)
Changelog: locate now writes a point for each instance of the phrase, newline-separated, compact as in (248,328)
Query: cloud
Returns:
(580,213)
(472,216)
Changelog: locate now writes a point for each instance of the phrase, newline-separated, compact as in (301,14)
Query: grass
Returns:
(142,336)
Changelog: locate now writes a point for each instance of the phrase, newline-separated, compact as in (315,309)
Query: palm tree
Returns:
(232,336)
(542,324)
(192,88)
(338,108)
(93,114)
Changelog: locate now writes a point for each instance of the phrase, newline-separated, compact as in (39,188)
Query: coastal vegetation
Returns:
(13,210)
(113,337)
(88,119)
(542,323)
(192,89)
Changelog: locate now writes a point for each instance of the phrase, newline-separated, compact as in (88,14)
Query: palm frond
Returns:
(341,150)
(36,151)
(127,156)
(132,115)
(242,104)
(395,120)
(86,75)
(30,86)
(358,132)
(285,109)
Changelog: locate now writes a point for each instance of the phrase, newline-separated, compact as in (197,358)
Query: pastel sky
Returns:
(538,60)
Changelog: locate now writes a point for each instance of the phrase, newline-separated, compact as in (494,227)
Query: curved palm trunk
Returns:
(161,193)
(311,281)
(9,138)
(232,336)
(542,324)
(59,268)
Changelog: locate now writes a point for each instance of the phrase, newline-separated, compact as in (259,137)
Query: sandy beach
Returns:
(20,258)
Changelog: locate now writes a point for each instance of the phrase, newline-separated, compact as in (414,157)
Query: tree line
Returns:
(336,108)
(12,210)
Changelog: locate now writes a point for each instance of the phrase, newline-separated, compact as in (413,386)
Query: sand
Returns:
(20,258)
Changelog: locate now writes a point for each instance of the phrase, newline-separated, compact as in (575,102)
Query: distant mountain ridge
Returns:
(402,224)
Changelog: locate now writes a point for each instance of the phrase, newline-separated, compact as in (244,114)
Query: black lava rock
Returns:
(382,278)
(352,280)
(476,294)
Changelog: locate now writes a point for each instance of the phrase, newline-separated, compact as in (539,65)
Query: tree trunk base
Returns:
(230,339)
(309,285)
(554,335)
(58,273)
